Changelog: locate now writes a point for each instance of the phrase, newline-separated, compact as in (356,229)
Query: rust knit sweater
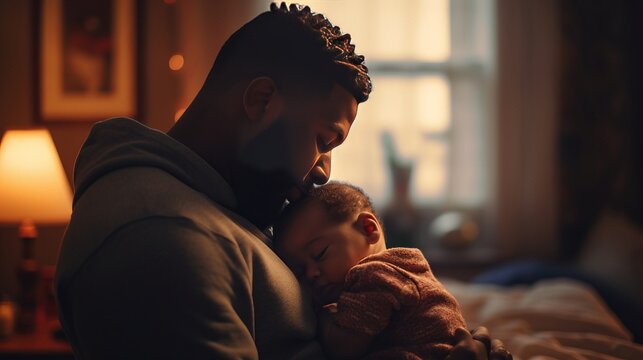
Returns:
(394,296)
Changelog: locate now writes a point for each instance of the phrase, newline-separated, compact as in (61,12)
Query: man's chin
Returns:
(294,194)
(261,194)
(297,191)
(261,213)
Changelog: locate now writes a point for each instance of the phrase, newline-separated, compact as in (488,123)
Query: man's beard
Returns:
(264,174)
(261,195)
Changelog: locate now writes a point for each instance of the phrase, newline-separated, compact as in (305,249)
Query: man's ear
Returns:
(369,226)
(261,100)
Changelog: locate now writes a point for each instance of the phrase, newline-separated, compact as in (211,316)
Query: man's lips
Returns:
(294,194)
(297,191)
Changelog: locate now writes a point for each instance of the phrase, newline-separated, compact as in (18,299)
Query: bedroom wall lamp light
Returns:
(33,190)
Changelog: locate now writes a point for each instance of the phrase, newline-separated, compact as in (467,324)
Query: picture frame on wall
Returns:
(87,60)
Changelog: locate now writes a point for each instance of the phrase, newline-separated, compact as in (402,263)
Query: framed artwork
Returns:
(87,59)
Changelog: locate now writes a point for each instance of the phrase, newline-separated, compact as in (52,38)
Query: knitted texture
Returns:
(395,297)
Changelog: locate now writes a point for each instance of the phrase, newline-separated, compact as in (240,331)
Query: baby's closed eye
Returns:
(320,254)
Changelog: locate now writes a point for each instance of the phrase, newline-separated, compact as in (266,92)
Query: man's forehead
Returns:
(343,103)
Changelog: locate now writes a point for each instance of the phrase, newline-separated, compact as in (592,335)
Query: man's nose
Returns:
(320,172)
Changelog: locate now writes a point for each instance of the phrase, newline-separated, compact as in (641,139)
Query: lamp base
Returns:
(27,280)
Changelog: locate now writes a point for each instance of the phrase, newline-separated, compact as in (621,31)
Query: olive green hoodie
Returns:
(155,262)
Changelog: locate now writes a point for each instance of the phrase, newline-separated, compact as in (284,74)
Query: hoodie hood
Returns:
(120,143)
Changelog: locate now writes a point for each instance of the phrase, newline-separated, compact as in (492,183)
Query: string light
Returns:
(176,62)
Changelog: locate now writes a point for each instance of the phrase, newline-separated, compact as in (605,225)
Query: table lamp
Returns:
(33,190)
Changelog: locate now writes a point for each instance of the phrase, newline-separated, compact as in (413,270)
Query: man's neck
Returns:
(210,135)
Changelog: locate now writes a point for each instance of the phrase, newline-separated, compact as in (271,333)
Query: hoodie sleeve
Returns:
(164,288)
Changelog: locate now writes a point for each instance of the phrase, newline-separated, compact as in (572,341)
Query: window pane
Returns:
(435,118)
(416,112)
(433,103)
(432,24)
(470,162)
(390,30)
(429,181)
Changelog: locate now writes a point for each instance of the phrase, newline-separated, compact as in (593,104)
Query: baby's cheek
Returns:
(339,274)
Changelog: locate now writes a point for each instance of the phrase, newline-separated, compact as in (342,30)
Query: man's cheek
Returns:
(298,163)
(270,150)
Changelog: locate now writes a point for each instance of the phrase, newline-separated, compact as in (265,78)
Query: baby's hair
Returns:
(340,200)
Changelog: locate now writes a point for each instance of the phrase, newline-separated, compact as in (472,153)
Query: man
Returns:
(166,254)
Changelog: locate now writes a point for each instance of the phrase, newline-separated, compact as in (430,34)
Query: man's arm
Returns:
(164,288)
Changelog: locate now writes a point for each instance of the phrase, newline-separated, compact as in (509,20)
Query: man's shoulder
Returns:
(177,242)
(128,197)
(141,192)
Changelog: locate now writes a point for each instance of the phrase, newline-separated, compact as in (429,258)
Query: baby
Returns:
(374,302)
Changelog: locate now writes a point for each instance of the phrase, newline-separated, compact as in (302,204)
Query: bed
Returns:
(551,319)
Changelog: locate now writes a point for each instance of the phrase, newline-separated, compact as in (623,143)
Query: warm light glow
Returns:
(433,103)
(176,62)
(178,114)
(429,182)
(388,30)
(432,35)
(33,183)
(416,111)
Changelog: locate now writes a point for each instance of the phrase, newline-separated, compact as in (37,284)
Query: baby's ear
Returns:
(368,225)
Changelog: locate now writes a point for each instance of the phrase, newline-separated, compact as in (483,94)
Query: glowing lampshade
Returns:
(33,184)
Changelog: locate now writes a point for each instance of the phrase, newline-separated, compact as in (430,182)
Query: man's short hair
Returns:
(293,46)
(340,200)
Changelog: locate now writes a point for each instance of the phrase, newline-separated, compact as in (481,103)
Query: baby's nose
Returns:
(312,273)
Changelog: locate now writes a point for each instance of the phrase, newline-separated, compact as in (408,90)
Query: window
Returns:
(432,64)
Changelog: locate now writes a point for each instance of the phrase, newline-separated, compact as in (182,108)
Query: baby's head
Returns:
(327,232)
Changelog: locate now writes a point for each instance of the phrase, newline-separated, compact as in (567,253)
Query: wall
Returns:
(195,27)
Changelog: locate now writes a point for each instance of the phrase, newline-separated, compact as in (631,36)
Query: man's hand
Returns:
(477,345)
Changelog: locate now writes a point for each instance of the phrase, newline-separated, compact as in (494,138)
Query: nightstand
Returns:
(39,344)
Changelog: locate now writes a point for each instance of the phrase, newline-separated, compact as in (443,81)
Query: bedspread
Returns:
(552,319)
